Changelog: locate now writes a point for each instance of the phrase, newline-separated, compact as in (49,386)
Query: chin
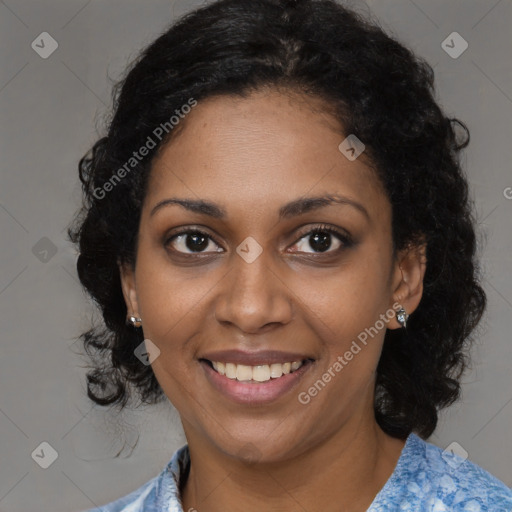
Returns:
(258,451)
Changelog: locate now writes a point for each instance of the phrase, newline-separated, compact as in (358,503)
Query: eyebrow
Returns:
(294,208)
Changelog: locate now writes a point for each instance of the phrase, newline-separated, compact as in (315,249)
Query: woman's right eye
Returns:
(191,242)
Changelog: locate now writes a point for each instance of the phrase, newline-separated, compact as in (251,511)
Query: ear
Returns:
(410,266)
(127,274)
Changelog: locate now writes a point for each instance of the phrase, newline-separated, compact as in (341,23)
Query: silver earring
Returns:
(135,321)
(402,317)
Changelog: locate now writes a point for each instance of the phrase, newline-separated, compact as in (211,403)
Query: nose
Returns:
(254,297)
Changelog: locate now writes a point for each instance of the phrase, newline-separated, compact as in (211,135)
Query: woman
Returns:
(278,233)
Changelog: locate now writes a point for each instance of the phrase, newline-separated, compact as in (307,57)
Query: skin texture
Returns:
(251,156)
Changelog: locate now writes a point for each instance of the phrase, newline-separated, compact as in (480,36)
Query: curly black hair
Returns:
(378,90)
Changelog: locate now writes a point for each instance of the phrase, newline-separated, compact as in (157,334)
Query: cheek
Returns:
(346,314)
(351,297)
(169,297)
(170,306)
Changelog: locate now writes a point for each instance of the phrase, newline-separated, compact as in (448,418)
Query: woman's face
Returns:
(257,288)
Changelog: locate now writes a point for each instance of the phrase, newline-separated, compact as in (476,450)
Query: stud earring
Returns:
(402,317)
(135,321)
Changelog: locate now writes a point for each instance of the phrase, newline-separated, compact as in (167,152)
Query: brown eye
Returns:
(322,239)
(192,241)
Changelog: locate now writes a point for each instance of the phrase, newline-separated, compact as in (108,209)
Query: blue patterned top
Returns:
(425,479)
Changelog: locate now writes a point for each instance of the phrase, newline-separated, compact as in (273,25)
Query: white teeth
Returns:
(243,372)
(260,373)
(276,370)
(231,371)
(220,367)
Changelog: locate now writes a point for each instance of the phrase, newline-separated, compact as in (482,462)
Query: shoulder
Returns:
(142,498)
(460,482)
(428,478)
(159,493)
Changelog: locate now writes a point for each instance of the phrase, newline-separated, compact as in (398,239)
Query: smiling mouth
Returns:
(258,373)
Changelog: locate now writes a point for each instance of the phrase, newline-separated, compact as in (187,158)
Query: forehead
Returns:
(259,151)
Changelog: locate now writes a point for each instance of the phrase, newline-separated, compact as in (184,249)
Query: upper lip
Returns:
(260,357)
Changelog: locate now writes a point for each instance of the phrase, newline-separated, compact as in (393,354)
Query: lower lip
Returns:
(250,392)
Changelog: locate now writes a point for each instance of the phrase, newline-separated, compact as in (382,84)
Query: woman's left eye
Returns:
(320,240)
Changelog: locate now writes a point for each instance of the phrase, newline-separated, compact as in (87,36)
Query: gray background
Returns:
(49,111)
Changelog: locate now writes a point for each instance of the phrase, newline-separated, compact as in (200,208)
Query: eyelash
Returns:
(344,238)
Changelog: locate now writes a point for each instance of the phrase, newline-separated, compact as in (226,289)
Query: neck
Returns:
(343,473)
